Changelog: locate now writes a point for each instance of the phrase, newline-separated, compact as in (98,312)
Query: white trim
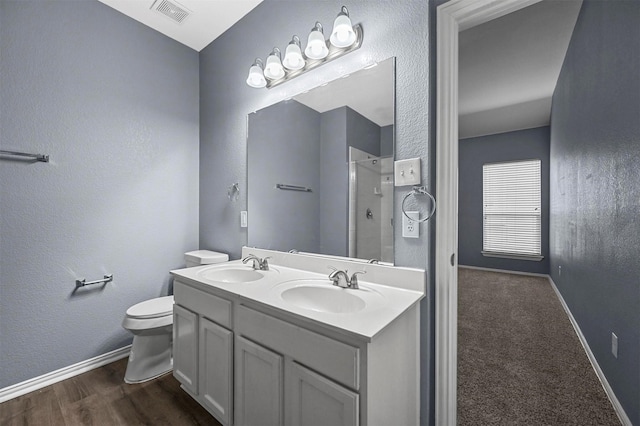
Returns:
(622,415)
(504,271)
(56,376)
(452,17)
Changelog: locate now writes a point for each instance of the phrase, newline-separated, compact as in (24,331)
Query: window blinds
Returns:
(512,220)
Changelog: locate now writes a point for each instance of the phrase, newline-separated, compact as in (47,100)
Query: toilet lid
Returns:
(158,307)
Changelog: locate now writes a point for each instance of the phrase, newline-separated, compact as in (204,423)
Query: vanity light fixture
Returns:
(293,59)
(316,44)
(256,75)
(344,38)
(273,69)
(342,35)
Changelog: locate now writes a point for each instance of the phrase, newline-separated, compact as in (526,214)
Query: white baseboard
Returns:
(40,382)
(622,415)
(504,271)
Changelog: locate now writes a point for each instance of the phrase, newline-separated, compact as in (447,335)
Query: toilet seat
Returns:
(152,308)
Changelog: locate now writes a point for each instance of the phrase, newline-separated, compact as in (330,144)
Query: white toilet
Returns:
(151,323)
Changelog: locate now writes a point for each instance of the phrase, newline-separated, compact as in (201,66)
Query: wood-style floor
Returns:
(100,397)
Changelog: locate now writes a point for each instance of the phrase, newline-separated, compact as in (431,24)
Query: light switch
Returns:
(407,172)
(243,219)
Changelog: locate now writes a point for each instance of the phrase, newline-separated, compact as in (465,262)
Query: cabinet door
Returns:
(185,348)
(311,399)
(216,369)
(258,385)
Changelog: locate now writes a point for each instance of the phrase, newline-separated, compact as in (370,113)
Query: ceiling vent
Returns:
(171,9)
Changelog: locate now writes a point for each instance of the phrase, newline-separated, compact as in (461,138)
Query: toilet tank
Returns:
(204,257)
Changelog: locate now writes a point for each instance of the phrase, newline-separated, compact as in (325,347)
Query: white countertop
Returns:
(385,300)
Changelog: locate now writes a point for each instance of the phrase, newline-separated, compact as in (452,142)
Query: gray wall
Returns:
(362,134)
(399,29)
(334,181)
(595,188)
(386,141)
(295,130)
(115,105)
(473,153)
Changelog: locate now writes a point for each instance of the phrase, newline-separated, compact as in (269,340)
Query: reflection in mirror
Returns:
(320,169)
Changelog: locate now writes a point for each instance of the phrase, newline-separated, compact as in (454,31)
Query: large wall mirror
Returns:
(320,168)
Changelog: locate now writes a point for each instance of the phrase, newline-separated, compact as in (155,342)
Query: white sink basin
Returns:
(237,274)
(323,296)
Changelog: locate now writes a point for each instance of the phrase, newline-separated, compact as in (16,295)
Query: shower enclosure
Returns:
(370,206)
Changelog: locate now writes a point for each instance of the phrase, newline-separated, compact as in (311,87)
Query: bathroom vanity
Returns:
(286,346)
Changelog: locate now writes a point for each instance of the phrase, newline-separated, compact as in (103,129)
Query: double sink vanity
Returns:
(277,341)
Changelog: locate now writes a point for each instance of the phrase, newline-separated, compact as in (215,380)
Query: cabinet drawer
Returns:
(334,359)
(213,307)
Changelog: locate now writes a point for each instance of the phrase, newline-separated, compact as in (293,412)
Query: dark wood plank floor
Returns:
(100,397)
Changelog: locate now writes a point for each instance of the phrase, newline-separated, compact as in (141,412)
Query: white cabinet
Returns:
(185,348)
(312,393)
(216,375)
(258,381)
(203,349)
(251,365)
(313,400)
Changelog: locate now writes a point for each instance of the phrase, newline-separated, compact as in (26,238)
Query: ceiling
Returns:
(370,93)
(509,67)
(206,20)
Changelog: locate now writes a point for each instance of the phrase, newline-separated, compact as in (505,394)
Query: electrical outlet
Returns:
(411,227)
(614,345)
(406,172)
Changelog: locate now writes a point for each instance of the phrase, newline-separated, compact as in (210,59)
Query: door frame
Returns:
(452,17)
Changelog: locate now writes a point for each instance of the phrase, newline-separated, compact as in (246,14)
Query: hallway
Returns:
(520,361)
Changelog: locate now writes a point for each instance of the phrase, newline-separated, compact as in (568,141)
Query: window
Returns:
(511,212)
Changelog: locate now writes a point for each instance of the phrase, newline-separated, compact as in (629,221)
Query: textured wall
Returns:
(391,28)
(473,153)
(115,105)
(595,188)
(284,147)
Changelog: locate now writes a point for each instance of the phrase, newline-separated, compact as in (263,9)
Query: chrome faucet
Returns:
(341,278)
(258,264)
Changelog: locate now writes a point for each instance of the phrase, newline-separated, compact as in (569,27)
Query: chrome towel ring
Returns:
(420,190)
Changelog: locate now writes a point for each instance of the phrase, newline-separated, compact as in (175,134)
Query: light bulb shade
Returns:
(273,68)
(256,76)
(316,44)
(342,35)
(293,59)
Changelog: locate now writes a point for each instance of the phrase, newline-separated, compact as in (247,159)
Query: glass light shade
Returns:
(256,77)
(342,35)
(316,45)
(273,69)
(293,59)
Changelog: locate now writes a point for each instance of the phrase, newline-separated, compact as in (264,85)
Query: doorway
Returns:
(452,17)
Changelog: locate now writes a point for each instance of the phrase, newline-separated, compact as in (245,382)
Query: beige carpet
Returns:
(519,359)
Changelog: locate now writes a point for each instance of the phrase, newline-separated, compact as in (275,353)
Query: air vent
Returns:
(171,10)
